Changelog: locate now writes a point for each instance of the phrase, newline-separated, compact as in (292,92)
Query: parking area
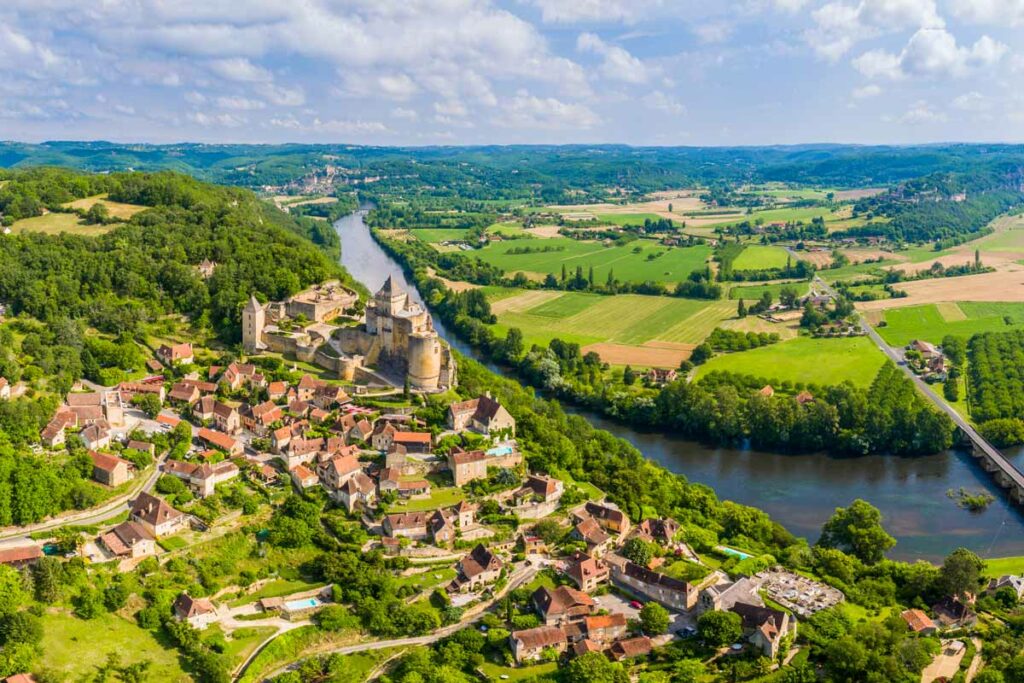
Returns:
(619,603)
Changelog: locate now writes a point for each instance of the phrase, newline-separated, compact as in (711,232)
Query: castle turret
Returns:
(424,356)
(253,321)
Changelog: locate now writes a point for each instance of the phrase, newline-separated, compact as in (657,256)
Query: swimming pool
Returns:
(500,450)
(732,551)
(305,603)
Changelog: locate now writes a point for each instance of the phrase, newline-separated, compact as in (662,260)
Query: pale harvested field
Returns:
(999,260)
(652,354)
(115,209)
(819,258)
(852,195)
(523,302)
(859,255)
(699,325)
(659,207)
(1006,285)
(684,193)
(950,312)
(544,231)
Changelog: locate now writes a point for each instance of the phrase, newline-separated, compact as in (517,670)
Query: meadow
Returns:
(806,360)
(115,209)
(56,223)
(754,292)
(932,322)
(648,323)
(760,257)
(637,261)
(438,235)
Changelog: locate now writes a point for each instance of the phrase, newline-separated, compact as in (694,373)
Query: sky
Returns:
(428,72)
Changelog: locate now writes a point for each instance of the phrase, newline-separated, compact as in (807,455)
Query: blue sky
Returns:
(419,72)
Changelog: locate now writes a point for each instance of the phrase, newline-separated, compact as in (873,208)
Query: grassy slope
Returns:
(76,647)
(56,223)
(821,361)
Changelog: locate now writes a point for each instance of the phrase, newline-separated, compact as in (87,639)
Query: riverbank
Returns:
(799,491)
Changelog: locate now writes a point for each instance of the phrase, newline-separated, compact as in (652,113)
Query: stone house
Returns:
(562,604)
(483,415)
(530,644)
(176,353)
(110,470)
(643,582)
(156,516)
(477,569)
(467,465)
(198,612)
(129,540)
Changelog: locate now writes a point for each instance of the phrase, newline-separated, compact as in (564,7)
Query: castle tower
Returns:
(424,355)
(254,318)
(390,298)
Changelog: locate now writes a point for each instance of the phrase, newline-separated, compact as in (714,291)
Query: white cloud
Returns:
(1001,13)
(529,111)
(398,86)
(240,103)
(594,11)
(921,113)
(931,53)
(404,113)
(660,101)
(866,92)
(241,70)
(838,26)
(451,108)
(209,120)
(618,64)
(972,101)
(713,32)
(279,95)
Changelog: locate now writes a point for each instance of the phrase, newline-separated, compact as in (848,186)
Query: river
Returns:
(799,491)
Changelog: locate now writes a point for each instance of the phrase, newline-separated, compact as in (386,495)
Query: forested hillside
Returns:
(144,267)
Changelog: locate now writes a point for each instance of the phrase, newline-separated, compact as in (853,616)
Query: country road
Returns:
(112,508)
(967,428)
(524,575)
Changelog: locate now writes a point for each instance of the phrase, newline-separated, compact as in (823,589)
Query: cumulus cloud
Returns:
(661,101)
(931,53)
(240,103)
(838,26)
(525,110)
(713,32)
(241,70)
(594,11)
(617,63)
(866,92)
(921,113)
(972,101)
(1000,13)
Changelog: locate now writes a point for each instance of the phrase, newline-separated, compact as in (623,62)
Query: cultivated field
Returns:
(628,328)
(754,292)
(638,261)
(758,257)
(56,223)
(933,321)
(807,360)
(1007,285)
(115,209)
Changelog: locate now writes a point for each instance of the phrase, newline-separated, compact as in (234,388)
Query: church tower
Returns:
(253,320)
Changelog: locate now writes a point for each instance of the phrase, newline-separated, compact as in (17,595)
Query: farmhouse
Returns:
(1014,583)
(156,516)
(467,465)
(110,469)
(129,540)
(303,477)
(96,435)
(175,353)
(918,622)
(562,604)
(358,491)
(408,524)
(20,556)
(198,612)
(591,533)
(764,627)
(628,649)
(605,627)
(478,568)
(669,592)
(483,415)
(530,644)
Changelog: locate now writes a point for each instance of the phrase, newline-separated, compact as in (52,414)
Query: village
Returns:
(454,494)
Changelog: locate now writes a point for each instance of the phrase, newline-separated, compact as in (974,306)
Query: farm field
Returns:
(932,322)
(854,271)
(999,286)
(115,209)
(637,261)
(807,360)
(56,223)
(627,218)
(438,235)
(627,328)
(754,292)
(793,214)
(759,257)
(73,648)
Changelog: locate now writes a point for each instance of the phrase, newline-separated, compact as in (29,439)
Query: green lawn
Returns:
(637,261)
(631,319)
(437,235)
(807,360)
(439,497)
(525,673)
(629,218)
(431,578)
(76,647)
(754,292)
(932,322)
(1004,565)
(855,271)
(356,668)
(759,257)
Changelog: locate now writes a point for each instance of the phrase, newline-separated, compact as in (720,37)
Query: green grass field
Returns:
(438,235)
(637,261)
(754,292)
(932,322)
(759,257)
(75,647)
(629,218)
(807,360)
(789,215)
(1004,565)
(56,223)
(494,672)
(625,319)
(855,271)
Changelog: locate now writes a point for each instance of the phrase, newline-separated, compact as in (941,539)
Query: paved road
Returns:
(518,578)
(896,356)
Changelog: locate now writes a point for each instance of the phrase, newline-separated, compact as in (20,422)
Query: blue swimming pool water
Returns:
(305,603)
(500,450)
(732,551)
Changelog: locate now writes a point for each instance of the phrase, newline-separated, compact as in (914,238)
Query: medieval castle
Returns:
(396,342)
